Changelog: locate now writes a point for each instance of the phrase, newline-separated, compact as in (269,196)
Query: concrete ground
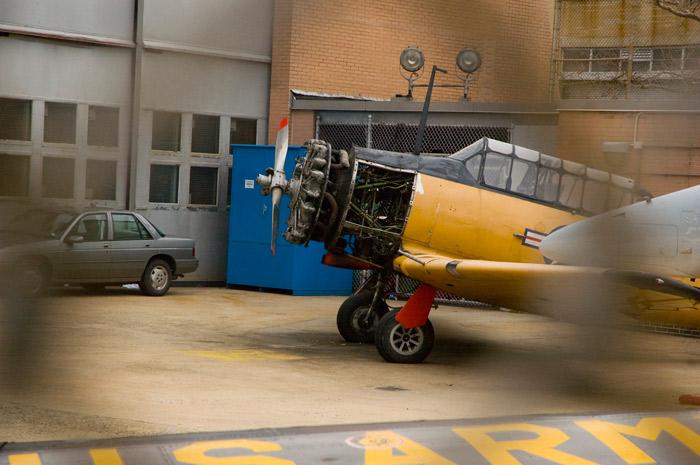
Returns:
(76,365)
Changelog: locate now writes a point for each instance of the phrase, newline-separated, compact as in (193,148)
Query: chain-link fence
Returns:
(625,49)
(401,137)
(438,139)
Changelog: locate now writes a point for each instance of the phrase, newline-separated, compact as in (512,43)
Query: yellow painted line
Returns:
(240,355)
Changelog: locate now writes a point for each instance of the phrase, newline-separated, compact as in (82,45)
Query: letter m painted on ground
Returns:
(611,434)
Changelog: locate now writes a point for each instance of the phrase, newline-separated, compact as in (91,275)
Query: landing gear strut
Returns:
(359,315)
(365,317)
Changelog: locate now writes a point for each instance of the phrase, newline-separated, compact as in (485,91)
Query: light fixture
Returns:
(468,60)
(412,59)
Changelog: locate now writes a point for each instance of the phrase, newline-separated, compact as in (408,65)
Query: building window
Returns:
(101,180)
(644,59)
(164,183)
(103,126)
(14,175)
(203,185)
(57,178)
(166,131)
(228,187)
(243,131)
(205,134)
(59,122)
(15,119)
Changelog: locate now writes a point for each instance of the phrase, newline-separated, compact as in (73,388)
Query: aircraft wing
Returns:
(571,293)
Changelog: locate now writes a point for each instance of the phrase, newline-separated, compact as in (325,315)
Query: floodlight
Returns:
(468,60)
(411,59)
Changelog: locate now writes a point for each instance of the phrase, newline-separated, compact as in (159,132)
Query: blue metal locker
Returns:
(250,262)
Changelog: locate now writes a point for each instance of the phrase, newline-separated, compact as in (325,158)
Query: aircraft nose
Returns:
(575,244)
(556,246)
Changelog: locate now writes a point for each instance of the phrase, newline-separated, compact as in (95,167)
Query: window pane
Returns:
(15,119)
(473,165)
(571,190)
(594,196)
(243,131)
(205,134)
(547,185)
(166,131)
(604,64)
(101,180)
(576,54)
(523,178)
(692,58)
(496,170)
(203,185)
(164,183)
(59,122)
(14,175)
(128,228)
(103,126)
(57,178)
(92,227)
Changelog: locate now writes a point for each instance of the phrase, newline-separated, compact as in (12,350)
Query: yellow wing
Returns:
(564,292)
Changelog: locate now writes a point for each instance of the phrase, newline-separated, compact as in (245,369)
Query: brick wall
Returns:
(352,47)
(669,159)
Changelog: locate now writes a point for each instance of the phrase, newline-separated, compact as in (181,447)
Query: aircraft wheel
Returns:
(397,344)
(352,314)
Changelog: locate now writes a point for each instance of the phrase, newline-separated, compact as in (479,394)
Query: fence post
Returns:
(369,131)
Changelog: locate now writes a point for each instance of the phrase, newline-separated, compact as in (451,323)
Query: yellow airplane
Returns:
(486,223)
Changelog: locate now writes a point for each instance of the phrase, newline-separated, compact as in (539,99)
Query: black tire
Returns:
(156,278)
(351,316)
(397,344)
(32,277)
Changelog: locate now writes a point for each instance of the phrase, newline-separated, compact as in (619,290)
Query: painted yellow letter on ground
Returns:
(196,453)
(25,459)
(497,452)
(387,441)
(105,457)
(611,434)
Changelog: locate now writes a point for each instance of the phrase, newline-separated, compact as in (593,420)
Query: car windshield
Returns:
(41,223)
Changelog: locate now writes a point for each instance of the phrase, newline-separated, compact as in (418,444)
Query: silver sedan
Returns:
(43,247)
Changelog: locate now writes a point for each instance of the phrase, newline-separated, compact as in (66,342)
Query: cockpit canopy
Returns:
(547,179)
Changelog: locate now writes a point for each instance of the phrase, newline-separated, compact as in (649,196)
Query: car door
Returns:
(132,247)
(84,252)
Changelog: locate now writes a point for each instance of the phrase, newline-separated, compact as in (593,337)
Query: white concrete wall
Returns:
(112,19)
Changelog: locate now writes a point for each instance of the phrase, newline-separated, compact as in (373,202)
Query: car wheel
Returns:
(397,344)
(352,314)
(33,277)
(156,278)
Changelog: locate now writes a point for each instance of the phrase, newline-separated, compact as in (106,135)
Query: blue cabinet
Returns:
(250,262)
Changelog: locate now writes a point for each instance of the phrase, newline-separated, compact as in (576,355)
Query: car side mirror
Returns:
(74,239)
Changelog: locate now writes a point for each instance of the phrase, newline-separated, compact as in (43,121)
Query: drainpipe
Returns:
(135,106)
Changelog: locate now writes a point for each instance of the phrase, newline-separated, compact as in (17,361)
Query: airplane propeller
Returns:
(275,181)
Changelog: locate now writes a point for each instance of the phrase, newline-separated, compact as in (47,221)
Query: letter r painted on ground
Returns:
(499,452)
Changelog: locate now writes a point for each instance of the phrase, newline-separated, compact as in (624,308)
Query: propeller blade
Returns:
(276,196)
(278,180)
(281,145)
